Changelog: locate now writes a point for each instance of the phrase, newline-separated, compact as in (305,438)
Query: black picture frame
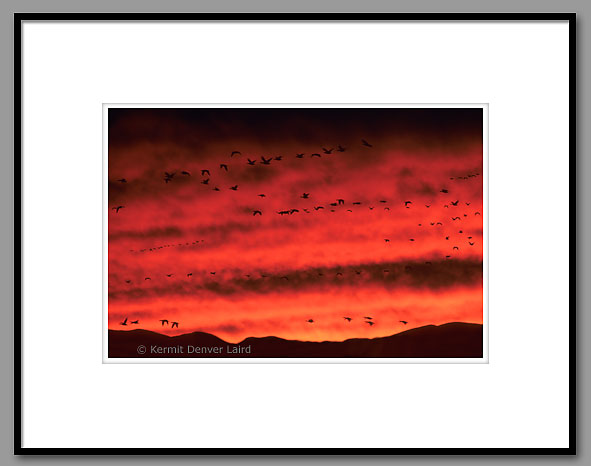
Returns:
(467,17)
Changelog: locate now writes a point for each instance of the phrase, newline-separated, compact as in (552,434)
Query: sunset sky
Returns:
(274,272)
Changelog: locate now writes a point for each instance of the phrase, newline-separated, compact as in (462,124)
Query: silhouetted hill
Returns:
(452,340)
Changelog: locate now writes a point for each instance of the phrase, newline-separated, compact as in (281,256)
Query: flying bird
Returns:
(411,239)
(444,191)
(370,323)
(310,321)
(164,321)
(235,153)
(251,162)
(470,243)
(174,324)
(266,161)
(365,143)
(368,318)
(223,166)
(348,319)
(427,206)
(124,322)
(279,158)
(341,201)
(454,203)
(403,321)
(456,248)
(116,209)
(406,203)
(185,172)
(216,189)
(205,172)
(122,180)
(234,188)
(205,181)
(261,195)
(341,148)
(190,274)
(300,156)
(147,278)
(135,322)
(315,155)
(169,275)
(256,212)
(318,207)
(127,281)
(327,151)
(305,196)
(387,240)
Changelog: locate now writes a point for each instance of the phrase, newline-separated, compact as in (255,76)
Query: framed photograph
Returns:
(294,219)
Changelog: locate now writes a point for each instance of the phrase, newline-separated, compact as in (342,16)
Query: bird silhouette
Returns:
(234,188)
(266,161)
(205,181)
(216,189)
(427,206)
(348,319)
(456,218)
(467,203)
(368,318)
(135,322)
(205,172)
(116,209)
(447,237)
(310,321)
(470,243)
(223,166)
(327,151)
(251,162)
(387,240)
(341,201)
(256,212)
(124,322)
(147,278)
(164,321)
(411,239)
(122,180)
(476,213)
(127,281)
(356,203)
(190,274)
(186,173)
(365,143)
(174,324)
(403,321)
(445,191)
(318,207)
(279,158)
(305,196)
(213,273)
(456,248)
(341,148)
(454,203)
(169,275)
(300,156)
(235,153)
(370,323)
(261,195)
(315,155)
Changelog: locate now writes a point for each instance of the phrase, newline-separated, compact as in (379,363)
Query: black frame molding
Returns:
(19,18)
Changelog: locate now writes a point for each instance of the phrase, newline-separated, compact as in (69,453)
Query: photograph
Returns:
(291,232)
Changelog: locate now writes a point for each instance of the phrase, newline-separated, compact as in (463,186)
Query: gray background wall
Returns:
(8,7)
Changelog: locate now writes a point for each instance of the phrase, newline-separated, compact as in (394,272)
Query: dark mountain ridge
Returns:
(451,340)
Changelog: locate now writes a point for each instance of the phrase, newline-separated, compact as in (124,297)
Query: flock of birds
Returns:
(332,206)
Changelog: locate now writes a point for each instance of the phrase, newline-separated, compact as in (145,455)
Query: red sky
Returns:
(274,272)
